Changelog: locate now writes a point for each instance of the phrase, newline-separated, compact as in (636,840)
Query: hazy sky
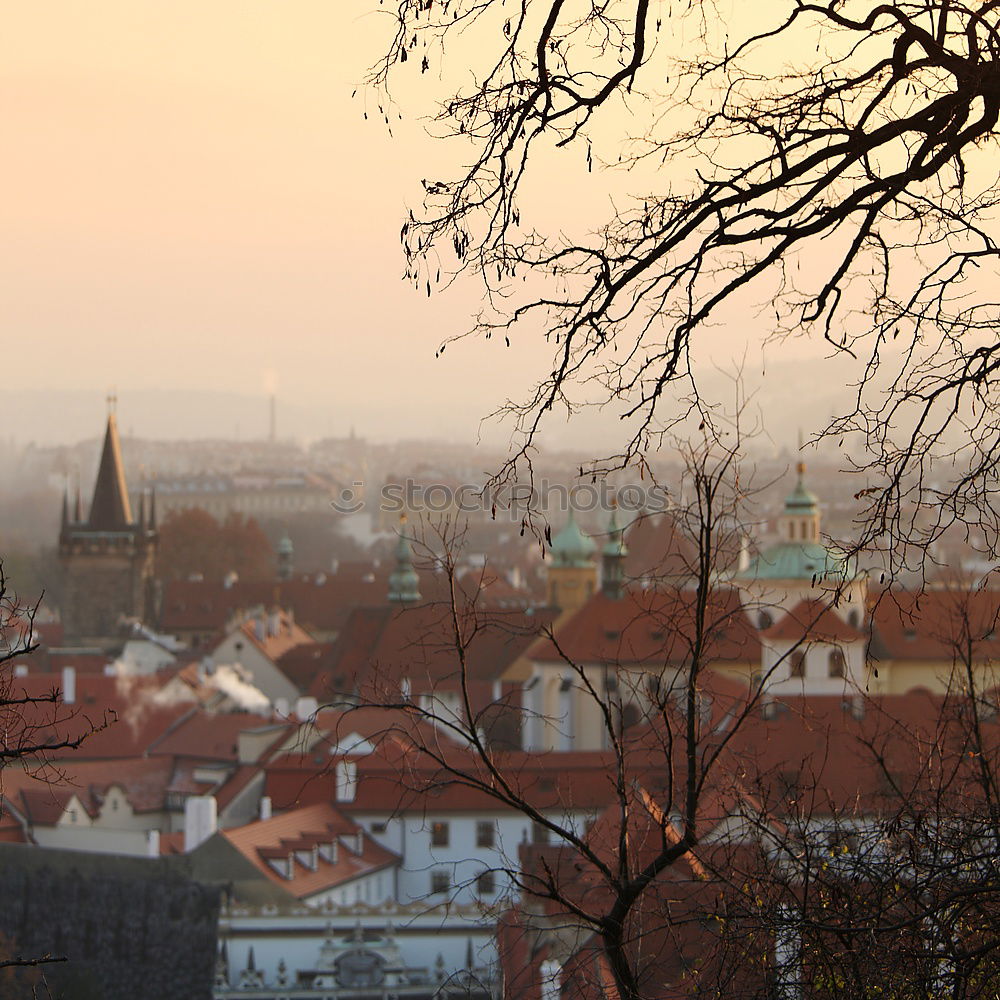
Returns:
(194,201)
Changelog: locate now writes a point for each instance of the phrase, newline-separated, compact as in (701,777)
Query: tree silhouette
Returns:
(830,164)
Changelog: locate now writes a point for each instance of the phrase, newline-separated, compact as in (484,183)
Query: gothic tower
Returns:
(108,559)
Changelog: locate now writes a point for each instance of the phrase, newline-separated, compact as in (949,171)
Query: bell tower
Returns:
(572,577)
(108,559)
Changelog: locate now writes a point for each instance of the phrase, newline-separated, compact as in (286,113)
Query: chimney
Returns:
(743,563)
(200,820)
(550,975)
(265,807)
(69,685)
(305,708)
(152,843)
(347,780)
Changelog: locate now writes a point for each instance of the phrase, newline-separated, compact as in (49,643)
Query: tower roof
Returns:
(615,545)
(801,500)
(571,547)
(110,509)
(404,583)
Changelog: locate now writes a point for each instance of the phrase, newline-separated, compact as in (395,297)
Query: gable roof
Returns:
(815,620)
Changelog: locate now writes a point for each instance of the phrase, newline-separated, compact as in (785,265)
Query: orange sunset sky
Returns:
(193,200)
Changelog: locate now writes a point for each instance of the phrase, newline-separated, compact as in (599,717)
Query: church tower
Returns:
(572,576)
(108,559)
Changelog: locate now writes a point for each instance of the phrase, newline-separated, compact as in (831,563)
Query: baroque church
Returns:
(108,557)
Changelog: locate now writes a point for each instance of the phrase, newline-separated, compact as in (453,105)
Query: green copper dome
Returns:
(800,555)
(800,561)
(801,500)
(571,547)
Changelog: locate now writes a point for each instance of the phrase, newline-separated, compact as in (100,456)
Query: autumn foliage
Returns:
(192,542)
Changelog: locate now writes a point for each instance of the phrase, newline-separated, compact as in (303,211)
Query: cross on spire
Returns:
(112,400)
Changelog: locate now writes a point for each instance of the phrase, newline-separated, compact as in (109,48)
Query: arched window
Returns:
(798,663)
(835,664)
(764,620)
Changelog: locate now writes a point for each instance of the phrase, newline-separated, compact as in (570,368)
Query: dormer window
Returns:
(284,866)
(835,664)
(308,858)
(328,852)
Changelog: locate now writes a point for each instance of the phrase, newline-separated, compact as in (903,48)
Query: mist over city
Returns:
(500,500)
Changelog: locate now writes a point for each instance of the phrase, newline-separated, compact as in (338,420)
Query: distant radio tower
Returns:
(273,431)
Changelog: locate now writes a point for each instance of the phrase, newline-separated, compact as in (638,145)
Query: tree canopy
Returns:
(192,542)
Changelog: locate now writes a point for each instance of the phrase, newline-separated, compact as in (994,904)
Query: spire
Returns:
(65,509)
(78,506)
(152,509)
(404,584)
(142,510)
(613,558)
(110,509)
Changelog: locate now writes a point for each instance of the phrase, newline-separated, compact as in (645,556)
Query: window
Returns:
(485,833)
(835,666)
(764,620)
(798,663)
(486,883)
(439,834)
(539,833)
(378,827)
(440,882)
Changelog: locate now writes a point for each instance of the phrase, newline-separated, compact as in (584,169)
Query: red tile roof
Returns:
(43,795)
(934,624)
(813,619)
(208,735)
(280,836)
(652,627)
(115,716)
(321,602)
(379,647)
